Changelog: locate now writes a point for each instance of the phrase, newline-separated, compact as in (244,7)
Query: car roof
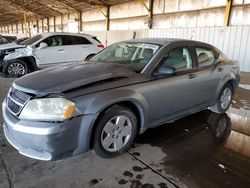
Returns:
(66,33)
(162,41)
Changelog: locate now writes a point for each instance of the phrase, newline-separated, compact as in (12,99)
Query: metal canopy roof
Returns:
(12,11)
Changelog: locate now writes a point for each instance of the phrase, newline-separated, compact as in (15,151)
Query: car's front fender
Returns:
(98,102)
(18,53)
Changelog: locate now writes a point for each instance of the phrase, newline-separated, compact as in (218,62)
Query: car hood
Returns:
(11,46)
(74,76)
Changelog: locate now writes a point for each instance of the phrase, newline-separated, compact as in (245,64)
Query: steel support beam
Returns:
(16,28)
(42,26)
(37,26)
(229,5)
(108,18)
(48,24)
(62,23)
(150,11)
(54,24)
(80,21)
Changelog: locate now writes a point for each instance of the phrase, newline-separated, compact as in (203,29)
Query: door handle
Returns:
(191,76)
(220,69)
(61,50)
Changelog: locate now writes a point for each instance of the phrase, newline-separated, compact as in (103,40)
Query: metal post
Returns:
(12,29)
(16,28)
(228,12)
(54,24)
(48,24)
(62,22)
(42,26)
(150,14)
(25,23)
(37,27)
(150,11)
(80,21)
(108,18)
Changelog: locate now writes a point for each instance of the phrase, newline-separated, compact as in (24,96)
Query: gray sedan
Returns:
(121,92)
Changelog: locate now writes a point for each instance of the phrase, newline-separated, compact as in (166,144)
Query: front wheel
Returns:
(224,100)
(115,132)
(17,68)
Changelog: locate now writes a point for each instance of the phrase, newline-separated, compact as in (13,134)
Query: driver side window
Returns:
(53,41)
(177,58)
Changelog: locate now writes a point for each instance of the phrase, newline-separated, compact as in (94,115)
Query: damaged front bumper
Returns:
(48,140)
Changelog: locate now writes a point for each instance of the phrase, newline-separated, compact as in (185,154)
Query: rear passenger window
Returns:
(79,40)
(205,56)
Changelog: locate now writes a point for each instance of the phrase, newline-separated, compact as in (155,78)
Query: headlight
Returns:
(50,109)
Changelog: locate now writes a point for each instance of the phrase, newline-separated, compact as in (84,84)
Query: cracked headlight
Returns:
(48,109)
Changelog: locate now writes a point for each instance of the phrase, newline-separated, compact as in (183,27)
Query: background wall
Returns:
(201,20)
(233,41)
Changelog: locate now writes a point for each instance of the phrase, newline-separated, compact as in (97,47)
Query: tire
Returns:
(220,125)
(224,100)
(89,57)
(112,138)
(16,68)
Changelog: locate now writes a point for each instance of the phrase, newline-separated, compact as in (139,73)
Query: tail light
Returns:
(100,45)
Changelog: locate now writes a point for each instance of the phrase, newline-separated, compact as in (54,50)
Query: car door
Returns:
(50,55)
(208,76)
(76,48)
(175,95)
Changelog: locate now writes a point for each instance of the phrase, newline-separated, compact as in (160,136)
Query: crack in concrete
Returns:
(7,173)
(155,171)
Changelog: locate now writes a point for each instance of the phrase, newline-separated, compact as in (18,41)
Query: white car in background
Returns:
(45,50)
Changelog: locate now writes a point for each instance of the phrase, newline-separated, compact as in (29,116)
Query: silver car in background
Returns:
(46,50)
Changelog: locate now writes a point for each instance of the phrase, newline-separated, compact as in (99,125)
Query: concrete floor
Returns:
(195,151)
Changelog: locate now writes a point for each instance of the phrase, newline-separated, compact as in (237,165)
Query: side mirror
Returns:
(165,71)
(43,45)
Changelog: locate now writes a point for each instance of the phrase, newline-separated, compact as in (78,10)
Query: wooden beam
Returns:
(228,11)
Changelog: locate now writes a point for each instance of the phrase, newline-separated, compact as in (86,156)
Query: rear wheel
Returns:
(115,131)
(17,68)
(224,100)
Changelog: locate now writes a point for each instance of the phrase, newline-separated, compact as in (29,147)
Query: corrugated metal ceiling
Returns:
(12,11)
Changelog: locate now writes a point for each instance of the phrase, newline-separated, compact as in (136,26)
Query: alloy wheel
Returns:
(116,133)
(225,98)
(16,69)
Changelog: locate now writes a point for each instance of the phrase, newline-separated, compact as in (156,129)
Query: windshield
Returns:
(31,40)
(132,55)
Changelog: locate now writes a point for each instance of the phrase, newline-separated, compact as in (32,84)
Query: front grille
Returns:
(19,96)
(16,100)
(15,108)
